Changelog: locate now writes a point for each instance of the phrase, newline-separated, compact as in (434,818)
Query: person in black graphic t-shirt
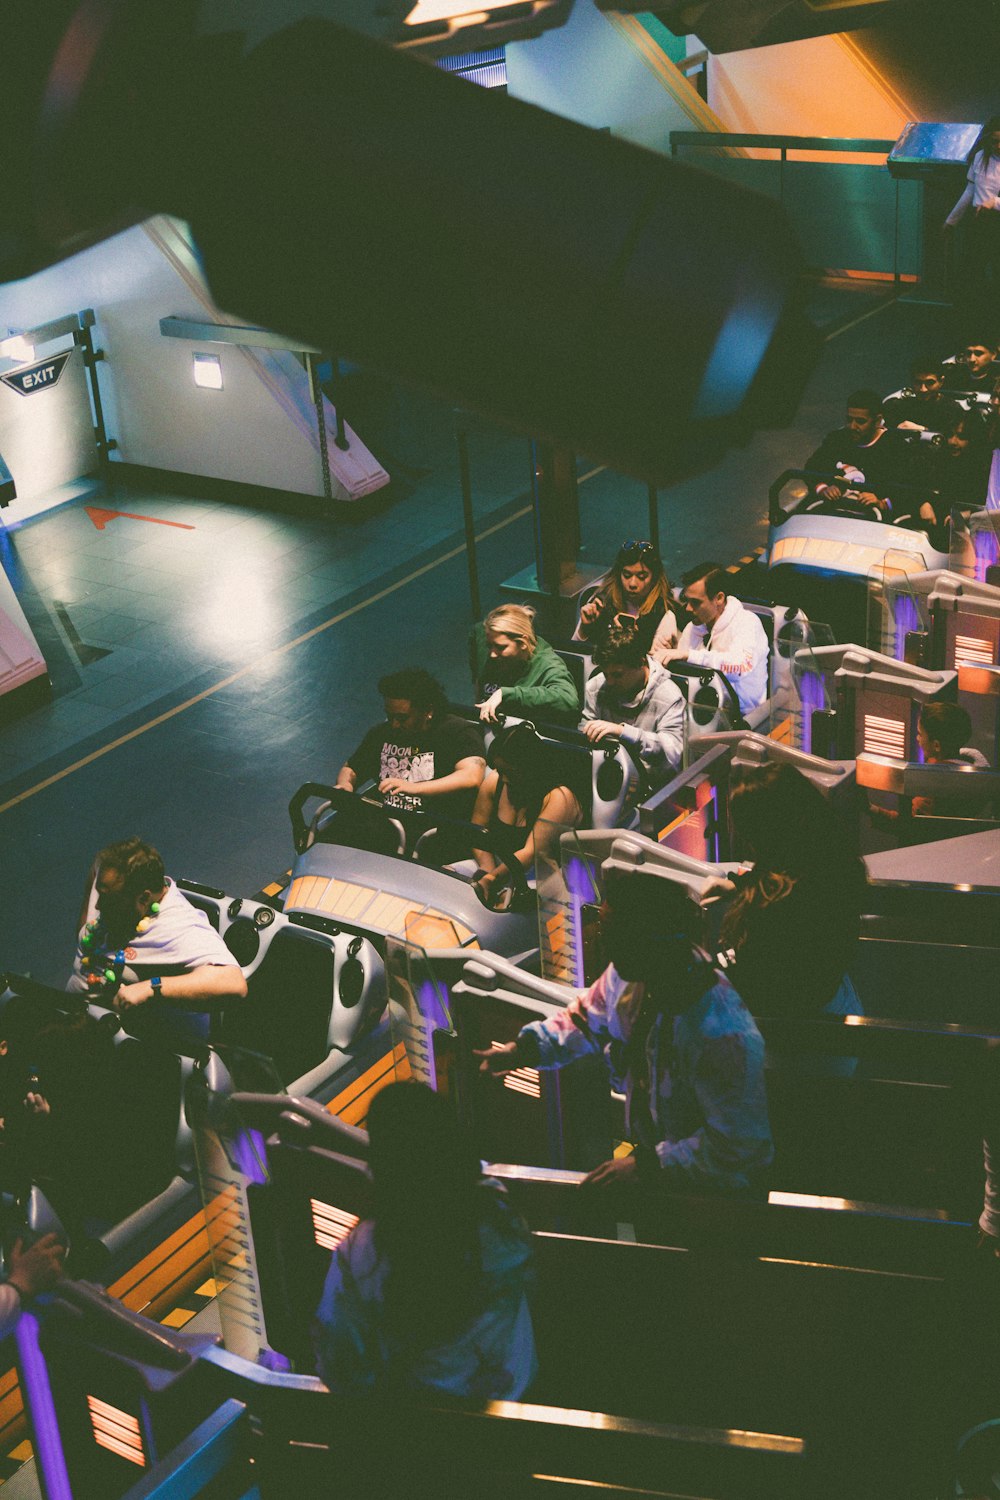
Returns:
(424,759)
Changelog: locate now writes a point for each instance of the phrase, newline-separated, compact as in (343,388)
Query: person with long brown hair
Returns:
(795,918)
(635,591)
(430,1293)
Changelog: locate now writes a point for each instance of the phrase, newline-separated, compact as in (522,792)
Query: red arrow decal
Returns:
(101,518)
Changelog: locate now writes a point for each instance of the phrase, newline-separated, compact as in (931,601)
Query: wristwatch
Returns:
(156,985)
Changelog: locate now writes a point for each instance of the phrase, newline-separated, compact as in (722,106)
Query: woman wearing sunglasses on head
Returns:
(634,591)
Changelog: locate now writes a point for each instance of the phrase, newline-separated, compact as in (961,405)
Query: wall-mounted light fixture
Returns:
(207,371)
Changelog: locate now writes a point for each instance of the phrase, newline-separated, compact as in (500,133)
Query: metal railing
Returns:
(786,147)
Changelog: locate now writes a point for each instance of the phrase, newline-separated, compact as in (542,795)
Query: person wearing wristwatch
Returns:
(31,1269)
(144,945)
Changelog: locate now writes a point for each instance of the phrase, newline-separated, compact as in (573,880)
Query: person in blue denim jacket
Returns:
(677,1038)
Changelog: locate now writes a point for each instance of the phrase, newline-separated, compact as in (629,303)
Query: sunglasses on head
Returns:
(637,546)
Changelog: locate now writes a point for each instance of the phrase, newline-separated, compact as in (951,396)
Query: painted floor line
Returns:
(253,666)
(861,318)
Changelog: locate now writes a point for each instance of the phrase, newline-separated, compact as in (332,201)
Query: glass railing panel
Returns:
(420,1023)
(898,617)
(975,543)
(799,688)
(231,1155)
(568,893)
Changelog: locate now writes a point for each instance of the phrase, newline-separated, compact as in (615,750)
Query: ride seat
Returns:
(307,991)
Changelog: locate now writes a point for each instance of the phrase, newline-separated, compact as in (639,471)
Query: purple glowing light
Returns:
(248,1154)
(581,887)
(432,1001)
(812,698)
(907,618)
(987,552)
(45,1432)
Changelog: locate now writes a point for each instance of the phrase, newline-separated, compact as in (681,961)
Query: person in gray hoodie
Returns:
(633,698)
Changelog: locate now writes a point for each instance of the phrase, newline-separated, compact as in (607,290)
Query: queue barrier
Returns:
(876,1370)
(812,1227)
(114,1396)
(881,1110)
(964,798)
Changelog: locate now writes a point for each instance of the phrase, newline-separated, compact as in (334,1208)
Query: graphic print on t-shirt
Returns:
(405,763)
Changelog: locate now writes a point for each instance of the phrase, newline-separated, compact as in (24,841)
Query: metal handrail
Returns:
(711,139)
(783,144)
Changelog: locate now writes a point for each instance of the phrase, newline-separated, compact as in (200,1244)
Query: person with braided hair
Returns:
(677,1039)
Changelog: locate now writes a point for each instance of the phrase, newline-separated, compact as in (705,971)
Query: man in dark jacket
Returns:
(862,457)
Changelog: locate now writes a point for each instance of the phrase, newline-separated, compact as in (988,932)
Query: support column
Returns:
(554,584)
(557,515)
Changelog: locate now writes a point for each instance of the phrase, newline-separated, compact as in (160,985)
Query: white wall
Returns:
(246,432)
(47,436)
(589,71)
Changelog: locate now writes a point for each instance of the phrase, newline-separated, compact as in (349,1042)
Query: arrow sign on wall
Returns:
(38,377)
(101,518)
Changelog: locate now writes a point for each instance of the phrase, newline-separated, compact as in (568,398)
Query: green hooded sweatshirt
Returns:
(545,692)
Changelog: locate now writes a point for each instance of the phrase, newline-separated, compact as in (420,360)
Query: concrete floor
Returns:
(204,668)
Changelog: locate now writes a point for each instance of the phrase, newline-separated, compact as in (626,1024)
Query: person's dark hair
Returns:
(864,399)
(948,723)
(140,865)
(416,687)
(788,828)
(536,768)
(655,903)
(610,586)
(621,647)
(958,420)
(927,364)
(982,141)
(977,339)
(715,576)
(428,1204)
(658,922)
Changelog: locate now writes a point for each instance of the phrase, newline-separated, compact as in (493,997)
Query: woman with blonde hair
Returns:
(634,592)
(518,673)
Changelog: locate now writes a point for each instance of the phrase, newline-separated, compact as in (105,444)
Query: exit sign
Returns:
(38,377)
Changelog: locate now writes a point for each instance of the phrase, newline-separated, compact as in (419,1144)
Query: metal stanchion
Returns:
(316,392)
(83,339)
(654,516)
(340,439)
(462,440)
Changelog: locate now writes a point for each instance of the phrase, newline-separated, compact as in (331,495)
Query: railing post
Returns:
(654,516)
(468,517)
(895,241)
(316,394)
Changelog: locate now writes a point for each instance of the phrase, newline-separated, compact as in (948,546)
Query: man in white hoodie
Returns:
(633,698)
(721,633)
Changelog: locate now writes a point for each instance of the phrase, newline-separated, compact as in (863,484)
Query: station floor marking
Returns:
(252,666)
(861,318)
(745,562)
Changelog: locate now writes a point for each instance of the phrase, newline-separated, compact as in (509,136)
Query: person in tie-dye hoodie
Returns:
(678,1039)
